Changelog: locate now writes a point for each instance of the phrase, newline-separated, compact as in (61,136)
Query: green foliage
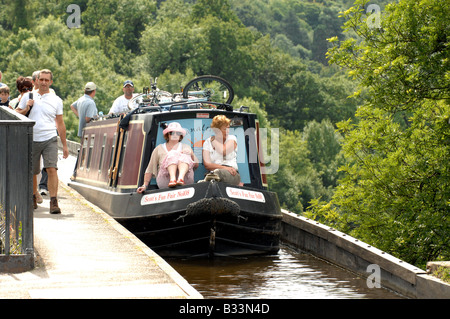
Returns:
(308,165)
(219,9)
(120,39)
(52,45)
(443,273)
(396,190)
(119,24)
(305,24)
(271,51)
(324,145)
(179,42)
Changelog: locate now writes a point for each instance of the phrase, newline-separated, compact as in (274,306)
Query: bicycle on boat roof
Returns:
(207,91)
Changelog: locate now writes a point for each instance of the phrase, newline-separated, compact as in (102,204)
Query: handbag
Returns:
(31,97)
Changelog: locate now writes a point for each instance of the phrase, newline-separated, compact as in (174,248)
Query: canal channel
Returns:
(290,274)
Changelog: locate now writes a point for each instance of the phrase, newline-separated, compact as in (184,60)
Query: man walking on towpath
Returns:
(47,112)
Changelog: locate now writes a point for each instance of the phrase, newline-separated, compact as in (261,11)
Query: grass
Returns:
(15,244)
(443,273)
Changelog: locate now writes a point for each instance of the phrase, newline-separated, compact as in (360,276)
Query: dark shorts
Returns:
(49,152)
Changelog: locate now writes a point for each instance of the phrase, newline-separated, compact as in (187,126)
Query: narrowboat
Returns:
(209,217)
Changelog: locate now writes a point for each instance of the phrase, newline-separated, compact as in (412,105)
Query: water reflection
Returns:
(287,275)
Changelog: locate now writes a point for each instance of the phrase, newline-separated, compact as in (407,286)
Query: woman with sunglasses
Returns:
(23,85)
(173,163)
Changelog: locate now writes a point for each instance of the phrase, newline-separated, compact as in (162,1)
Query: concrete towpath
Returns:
(85,254)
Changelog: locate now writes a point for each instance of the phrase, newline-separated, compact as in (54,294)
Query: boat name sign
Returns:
(169,196)
(245,194)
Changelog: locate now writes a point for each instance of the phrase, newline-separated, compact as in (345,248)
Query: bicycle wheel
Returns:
(209,87)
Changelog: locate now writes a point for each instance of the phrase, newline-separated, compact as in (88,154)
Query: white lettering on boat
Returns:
(178,194)
(245,194)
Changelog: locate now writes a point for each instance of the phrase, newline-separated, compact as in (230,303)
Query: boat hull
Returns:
(207,218)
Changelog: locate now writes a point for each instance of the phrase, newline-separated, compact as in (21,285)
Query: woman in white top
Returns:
(220,152)
(171,158)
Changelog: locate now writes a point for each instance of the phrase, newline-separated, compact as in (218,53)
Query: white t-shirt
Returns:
(120,105)
(218,158)
(44,112)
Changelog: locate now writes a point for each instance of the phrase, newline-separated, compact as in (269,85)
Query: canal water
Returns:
(288,275)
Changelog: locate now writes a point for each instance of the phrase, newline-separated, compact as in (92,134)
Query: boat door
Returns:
(117,151)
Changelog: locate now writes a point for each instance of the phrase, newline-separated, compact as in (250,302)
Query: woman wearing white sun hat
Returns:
(171,159)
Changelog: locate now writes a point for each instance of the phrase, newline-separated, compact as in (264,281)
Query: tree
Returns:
(324,146)
(20,16)
(184,47)
(220,9)
(253,13)
(328,26)
(119,24)
(51,45)
(307,165)
(294,182)
(396,191)
(228,44)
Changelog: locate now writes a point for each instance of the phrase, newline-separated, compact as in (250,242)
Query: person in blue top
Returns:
(85,108)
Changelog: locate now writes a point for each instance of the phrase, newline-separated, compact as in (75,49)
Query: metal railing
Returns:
(16,191)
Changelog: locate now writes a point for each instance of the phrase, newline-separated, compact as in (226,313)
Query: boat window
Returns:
(198,130)
(111,158)
(100,164)
(123,152)
(91,148)
(83,150)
